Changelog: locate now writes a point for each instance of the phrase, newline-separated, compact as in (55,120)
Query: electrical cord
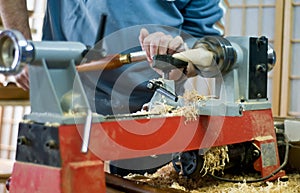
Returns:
(266,177)
(295,146)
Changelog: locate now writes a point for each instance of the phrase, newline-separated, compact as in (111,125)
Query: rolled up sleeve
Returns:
(201,17)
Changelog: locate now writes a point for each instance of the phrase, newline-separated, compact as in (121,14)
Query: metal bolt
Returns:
(22,140)
(51,144)
(261,68)
(256,153)
(240,110)
(259,95)
(150,85)
(7,184)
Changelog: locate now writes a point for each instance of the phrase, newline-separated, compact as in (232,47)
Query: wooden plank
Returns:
(14,102)
(260,21)
(7,147)
(11,121)
(1,123)
(252,6)
(294,114)
(293,77)
(296,3)
(286,59)
(227,18)
(244,16)
(276,76)
(295,41)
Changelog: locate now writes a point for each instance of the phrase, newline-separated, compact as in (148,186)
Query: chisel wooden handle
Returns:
(112,61)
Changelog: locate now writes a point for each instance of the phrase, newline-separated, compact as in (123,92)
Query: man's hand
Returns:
(22,79)
(160,43)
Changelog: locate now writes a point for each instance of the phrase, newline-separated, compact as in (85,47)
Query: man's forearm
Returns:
(14,15)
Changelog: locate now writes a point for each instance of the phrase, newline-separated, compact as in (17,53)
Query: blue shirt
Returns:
(123,90)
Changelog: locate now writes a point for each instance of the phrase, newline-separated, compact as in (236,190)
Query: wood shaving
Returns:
(189,112)
(215,160)
(189,109)
(192,96)
(162,108)
(175,185)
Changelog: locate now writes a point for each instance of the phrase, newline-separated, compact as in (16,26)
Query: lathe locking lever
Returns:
(158,86)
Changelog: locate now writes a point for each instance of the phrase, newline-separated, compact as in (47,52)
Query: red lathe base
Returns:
(74,178)
(120,139)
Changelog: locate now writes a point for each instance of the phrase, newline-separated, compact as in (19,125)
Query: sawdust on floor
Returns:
(168,177)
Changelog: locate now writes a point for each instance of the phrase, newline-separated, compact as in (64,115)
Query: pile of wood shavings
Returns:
(167,177)
(270,187)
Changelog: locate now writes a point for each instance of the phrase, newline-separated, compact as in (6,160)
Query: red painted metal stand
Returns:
(129,138)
